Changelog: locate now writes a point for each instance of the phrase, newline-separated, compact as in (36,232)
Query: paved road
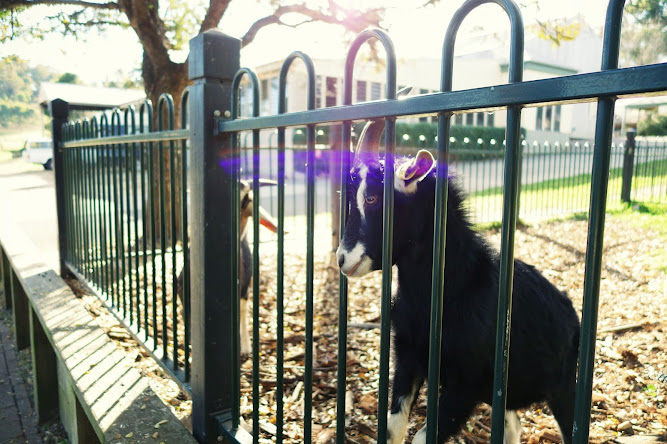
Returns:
(27,196)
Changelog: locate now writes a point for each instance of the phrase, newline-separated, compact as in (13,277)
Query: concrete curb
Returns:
(79,373)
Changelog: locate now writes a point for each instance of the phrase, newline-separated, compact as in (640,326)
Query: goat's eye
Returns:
(371,200)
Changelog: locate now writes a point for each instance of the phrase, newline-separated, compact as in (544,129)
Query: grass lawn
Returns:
(559,198)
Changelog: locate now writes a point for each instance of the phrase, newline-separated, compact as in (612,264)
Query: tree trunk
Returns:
(172,79)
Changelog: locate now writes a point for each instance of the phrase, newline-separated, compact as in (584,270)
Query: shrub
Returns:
(653,126)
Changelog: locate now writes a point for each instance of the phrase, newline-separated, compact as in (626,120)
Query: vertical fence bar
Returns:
(146,109)
(115,131)
(102,172)
(388,215)
(341,370)
(67,161)
(280,269)
(87,223)
(135,206)
(236,209)
(185,240)
(77,226)
(130,128)
(153,229)
(213,62)
(164,99)
(600,174)
(174,238)
(510,213)
(59,110)
(310,222)
(94,161)
(120,237)
(628,164)
(512,178)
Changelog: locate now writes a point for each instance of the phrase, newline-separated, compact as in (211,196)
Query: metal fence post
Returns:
(628,165)
(59,110)
(214,60)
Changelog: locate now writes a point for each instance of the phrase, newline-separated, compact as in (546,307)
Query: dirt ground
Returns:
(630,380)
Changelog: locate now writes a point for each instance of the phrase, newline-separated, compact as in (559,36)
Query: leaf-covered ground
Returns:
(630,380)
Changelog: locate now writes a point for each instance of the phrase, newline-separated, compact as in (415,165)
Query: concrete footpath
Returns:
(18,424)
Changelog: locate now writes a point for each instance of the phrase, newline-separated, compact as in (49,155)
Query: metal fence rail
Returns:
(123,211)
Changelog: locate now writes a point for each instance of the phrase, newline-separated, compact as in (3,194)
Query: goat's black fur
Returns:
(545,328)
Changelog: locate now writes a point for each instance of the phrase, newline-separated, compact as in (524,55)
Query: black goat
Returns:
(545,326)
(245,266)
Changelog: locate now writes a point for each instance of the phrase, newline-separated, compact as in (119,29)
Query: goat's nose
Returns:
(341,260)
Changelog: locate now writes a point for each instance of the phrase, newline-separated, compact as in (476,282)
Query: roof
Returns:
(82,97)
(643,102)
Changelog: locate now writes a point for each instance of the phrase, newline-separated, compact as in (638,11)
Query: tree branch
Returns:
(12,4)
(147,24)
(352,20)
(216,10)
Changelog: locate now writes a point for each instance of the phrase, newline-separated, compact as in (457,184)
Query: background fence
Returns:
(555,179)
(123,202)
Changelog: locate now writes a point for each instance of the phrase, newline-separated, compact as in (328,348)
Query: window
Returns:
(332,92)
(538,119)
(273,96)
(458,119)
(361,91)
(376,91)
(264,91)
(547,118)
(491,119)
(557,118)
(318,92)
(480,119)
(246,101)
(470,119)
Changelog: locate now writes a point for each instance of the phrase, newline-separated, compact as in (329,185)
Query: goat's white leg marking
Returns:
(512,427)
(420,437)
(397,423)
(512,430)
(243,328)
(361,198)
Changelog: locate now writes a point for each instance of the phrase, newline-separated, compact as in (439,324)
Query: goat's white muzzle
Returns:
(353,263)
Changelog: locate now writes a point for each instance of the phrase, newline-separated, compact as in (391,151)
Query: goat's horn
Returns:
(267,182)
(262,183)
(369,140)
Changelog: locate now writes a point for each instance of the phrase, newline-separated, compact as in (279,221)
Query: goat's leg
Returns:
(453,411)
(405,388)
(563,396)
(562,407)
(512,427)
(243,328)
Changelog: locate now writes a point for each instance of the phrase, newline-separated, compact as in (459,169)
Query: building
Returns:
(473,68)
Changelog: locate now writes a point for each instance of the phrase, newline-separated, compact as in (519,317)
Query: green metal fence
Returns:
(125,228)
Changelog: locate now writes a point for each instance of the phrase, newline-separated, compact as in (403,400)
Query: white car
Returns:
(39,150)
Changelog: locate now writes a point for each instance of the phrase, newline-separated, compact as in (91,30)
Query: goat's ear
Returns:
(410,173)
